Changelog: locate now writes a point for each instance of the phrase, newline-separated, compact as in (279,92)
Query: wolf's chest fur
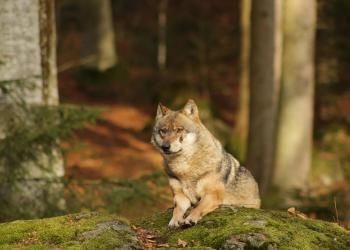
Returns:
(190,171)
(187,177)
(190,189)
(193,189)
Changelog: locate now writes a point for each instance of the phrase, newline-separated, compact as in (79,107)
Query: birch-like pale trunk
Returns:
(295,123)
(28,55)
(98,34)
(265,61)
(106,56)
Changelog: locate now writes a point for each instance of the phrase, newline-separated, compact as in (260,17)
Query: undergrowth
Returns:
(29,130)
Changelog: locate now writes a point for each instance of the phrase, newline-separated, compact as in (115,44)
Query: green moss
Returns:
(276,228)
(63,231)
(109,239)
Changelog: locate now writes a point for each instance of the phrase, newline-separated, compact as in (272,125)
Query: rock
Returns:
(77,231)
(244,228)
(248,241)
(225,228)
(260,223)
(117,226)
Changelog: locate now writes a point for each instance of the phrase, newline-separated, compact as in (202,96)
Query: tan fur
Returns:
(201,174)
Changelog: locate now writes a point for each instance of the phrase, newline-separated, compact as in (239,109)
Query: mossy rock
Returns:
(77,231)
(243,228)
(225,228)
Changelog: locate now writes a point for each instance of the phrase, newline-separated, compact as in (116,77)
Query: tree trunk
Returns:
(99,37)
(107,56)
(241,128)
(162,25)
(27,54)
(294,139)
(327,63)
(48,52)
(265,60)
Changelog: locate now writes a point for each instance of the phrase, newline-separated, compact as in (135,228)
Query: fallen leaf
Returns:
(148,246)
(302,216)
(192,242)
(181,243)
(163,245)
(291,210)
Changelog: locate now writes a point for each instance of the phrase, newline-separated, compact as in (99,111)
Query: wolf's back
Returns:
(239,181)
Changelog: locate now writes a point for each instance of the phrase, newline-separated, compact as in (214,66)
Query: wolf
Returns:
(202,175)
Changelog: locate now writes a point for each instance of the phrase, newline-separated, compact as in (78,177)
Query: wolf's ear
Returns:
(161,110)
(190,109)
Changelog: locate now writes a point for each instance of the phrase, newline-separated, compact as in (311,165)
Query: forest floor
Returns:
(116,145)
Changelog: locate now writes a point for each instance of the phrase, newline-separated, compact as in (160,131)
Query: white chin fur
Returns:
(188,142)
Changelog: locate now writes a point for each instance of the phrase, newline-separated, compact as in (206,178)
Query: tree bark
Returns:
(242,123)
(19,46)
(27,54)
(265,61)
(48,52)
(295,124)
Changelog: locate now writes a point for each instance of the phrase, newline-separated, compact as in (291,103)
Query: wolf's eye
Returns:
(179,130)
(162,131)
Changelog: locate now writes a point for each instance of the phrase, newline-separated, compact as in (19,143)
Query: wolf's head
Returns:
(175,132)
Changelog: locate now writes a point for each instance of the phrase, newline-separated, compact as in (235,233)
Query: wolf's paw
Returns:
(190,221)
(175,222)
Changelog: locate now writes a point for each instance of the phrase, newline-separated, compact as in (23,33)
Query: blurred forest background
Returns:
(271,79)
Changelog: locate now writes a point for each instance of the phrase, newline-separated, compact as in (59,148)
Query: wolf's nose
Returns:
(166,147)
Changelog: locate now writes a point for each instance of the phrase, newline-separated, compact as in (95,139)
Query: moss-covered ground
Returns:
(225,228)
(79,231)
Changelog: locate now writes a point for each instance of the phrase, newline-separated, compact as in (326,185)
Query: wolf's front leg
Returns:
(211,200)
(181,204)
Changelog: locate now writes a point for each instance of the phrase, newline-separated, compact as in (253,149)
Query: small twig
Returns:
(76,63)
(336,210)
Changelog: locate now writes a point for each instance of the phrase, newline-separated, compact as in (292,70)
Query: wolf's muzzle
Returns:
(166,147)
